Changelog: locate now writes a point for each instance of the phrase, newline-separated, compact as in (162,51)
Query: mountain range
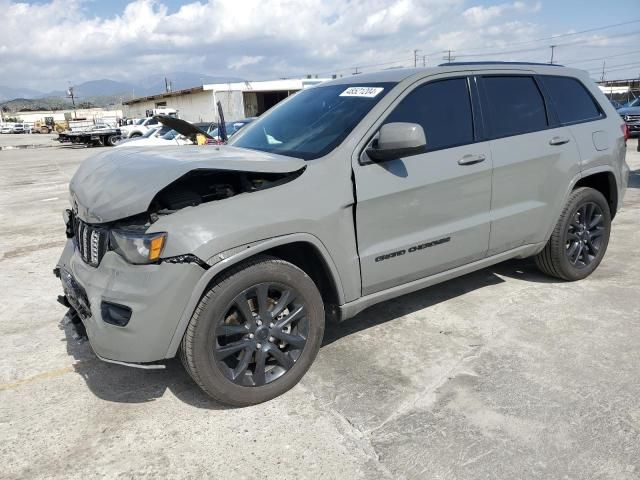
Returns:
(111,89)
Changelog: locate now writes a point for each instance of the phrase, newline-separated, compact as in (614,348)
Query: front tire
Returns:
(255,332)
(580,239)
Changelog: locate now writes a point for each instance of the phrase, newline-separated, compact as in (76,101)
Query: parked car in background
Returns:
(173,131)
(630,113)
(19,128)
(158,130)
(348,194)
(6,128)
(231,127)
(139,128)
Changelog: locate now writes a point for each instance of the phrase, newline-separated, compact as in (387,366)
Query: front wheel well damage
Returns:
(605,183)
(306,257)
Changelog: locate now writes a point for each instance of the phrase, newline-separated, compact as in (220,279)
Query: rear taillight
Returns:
(625,131)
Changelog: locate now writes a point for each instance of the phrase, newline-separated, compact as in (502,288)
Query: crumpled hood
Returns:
(122,182)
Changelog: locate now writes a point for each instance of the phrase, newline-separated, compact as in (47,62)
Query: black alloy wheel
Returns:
(261,335)
(579,240)
(584,235)
(255,332)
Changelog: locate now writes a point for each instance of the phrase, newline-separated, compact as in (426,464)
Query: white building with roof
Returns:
(238,99)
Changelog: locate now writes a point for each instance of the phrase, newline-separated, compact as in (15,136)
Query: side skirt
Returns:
(351,309)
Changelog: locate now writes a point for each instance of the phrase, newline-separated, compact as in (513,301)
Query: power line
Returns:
(553,37)
(602,58)
(534,49)
(622,65)
(450,57)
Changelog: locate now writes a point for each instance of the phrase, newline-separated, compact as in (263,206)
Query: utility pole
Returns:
(356,72)
(73,101)
(448,56)
(603,64)
(553,47)
(415,58)
(424,61)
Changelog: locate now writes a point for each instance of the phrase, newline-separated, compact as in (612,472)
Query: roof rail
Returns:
(500,63)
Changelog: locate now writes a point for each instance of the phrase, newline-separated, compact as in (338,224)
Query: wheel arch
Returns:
(305,251)
(604,182)
(598,178)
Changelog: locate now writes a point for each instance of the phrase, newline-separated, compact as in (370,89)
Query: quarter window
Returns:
(572,102)
(515,105)
(443,109)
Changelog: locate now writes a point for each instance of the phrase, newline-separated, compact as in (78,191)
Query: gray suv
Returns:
(344,195)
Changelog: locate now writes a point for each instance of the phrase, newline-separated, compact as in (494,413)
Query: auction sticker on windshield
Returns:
(369,92)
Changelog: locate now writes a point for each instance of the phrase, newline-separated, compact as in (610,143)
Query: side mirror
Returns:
(396,140)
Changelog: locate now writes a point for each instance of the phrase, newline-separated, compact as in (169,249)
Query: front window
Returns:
(312,122)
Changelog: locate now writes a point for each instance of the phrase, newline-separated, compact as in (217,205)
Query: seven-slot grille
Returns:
(632,118)
(92,241)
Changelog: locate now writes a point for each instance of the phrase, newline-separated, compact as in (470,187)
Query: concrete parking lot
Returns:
(501,374)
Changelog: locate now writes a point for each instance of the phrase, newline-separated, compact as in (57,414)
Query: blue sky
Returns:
(79,40)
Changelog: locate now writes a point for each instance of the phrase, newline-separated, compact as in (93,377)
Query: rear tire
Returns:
(580,238)
(255,332)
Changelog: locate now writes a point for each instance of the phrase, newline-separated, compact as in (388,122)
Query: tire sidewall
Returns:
(215,306)
(587,195)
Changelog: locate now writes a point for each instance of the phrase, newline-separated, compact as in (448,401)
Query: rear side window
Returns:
(572,102)
(443,109)
(515,105)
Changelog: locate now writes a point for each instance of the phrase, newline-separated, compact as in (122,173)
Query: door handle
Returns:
(558,141)
(471,159)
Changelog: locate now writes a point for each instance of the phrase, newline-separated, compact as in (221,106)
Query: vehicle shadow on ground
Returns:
(116,383)
(430,296)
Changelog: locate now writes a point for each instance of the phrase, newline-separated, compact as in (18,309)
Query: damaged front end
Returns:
(118,282)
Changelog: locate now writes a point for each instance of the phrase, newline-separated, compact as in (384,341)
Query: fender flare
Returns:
(577,177)
(249,250)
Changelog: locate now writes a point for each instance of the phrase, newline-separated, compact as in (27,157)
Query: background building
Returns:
(239,100)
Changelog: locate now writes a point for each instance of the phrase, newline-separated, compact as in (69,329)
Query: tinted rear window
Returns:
(515,105)
(443,109)
(572,102)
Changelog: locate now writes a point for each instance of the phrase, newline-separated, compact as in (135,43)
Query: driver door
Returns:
(427,213)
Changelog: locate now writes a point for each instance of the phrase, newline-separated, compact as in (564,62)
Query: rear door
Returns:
(423,214)
(534,159)
(582,115)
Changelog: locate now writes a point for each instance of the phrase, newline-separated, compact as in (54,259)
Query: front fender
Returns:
(229,258)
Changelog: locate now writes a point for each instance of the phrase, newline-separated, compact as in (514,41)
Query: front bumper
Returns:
(156,294)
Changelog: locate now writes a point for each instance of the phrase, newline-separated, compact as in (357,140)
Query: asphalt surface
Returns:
(501,374)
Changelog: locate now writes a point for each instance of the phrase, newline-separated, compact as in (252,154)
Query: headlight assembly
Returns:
(138,248)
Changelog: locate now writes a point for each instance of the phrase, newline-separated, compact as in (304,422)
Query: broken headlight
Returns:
(138,248)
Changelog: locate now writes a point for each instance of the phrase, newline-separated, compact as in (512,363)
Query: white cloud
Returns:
(479,15)
(245,61)
(46,45)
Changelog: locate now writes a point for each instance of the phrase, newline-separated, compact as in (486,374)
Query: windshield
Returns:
(150,132)
(633,103)
(170,135)
(312,122)
(231,127)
